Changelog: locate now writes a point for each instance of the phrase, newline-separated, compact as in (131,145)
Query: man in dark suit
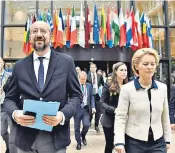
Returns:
(84,111)
(96,80)
(172,107)
(44,75)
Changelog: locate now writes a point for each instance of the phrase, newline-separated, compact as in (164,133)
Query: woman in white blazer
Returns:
(142,122)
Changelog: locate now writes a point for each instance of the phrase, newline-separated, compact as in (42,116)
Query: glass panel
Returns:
(13,43)
(44,5)
(171,12)
(159,41)
(172,43)
(154,9)
(16,12)
(162,72)
(125,6)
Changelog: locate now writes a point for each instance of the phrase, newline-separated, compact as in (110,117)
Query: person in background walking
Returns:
(109,102)
(96,80)
(83,113)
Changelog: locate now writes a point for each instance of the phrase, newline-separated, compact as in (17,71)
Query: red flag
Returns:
(87,28)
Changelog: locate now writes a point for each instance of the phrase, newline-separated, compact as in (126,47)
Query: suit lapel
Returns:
(51,67)
(31,71)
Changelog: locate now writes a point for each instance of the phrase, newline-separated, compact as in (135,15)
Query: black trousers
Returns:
(109,138)
(98,111)
(150,146)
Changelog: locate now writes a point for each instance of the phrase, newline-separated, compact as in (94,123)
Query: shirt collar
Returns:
(47,55)
(138,85)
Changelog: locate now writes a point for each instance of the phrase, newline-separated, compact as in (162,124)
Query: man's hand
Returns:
(120,149)
(93,110)
(173,127)
(23,120)
(53,120)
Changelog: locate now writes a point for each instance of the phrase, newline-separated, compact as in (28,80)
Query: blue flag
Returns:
(96,27)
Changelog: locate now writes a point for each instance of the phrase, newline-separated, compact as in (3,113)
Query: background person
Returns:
(109,102)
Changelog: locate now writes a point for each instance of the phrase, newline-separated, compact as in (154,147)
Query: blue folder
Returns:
(41,108)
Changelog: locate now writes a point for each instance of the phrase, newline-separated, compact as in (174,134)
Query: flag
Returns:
(122,41)
(115,27)
(150,37)
(55,27)
(60,31)
(128,23)
(27,48)
(96,27)
(109,30)
(138,28)
(68,28)
(49,20)
(81,40)
(40,17)
(73,36)
(103,27)
(44,17)
(88,27)
(33,18)
(134,41)
(144,31)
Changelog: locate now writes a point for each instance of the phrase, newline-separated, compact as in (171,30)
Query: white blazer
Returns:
(133,114)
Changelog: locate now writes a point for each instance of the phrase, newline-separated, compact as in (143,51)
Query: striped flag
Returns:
(138,27)
(73,36)
(122,41)
(55,27)
(109,30)
(49,20)
(103,27)
(134,41)
(150,37)
(60,31)
(128,24)
(115,27)
(144,31)
(81,40)
(68,28)
(27,48)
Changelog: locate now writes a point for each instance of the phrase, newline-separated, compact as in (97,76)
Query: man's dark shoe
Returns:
(97,129)
(78,146)
(84,140)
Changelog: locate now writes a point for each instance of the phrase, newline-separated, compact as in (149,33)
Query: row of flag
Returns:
(129,29)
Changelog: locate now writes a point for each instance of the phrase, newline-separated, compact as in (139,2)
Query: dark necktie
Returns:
(41,73)
(82,88)
(93,78)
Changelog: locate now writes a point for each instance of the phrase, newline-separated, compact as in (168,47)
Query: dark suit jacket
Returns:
(108,104)
(90,97)
(61,82)
(172,105)
(99,79)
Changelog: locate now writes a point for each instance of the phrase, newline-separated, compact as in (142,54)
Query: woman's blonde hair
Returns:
(139,54)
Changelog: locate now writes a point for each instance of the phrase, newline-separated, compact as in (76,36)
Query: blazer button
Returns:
(41,99)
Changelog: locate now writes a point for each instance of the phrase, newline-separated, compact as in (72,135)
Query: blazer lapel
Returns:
(51,67)
(87,87)
(32,72)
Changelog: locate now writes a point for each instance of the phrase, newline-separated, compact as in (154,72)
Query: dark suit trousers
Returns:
(109,138)
(81,115)
(151,146)
(98,110)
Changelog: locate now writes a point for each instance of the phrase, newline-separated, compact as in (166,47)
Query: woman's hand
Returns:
(119,149)
(167,146)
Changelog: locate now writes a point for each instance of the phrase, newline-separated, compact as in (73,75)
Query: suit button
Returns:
(41,99)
